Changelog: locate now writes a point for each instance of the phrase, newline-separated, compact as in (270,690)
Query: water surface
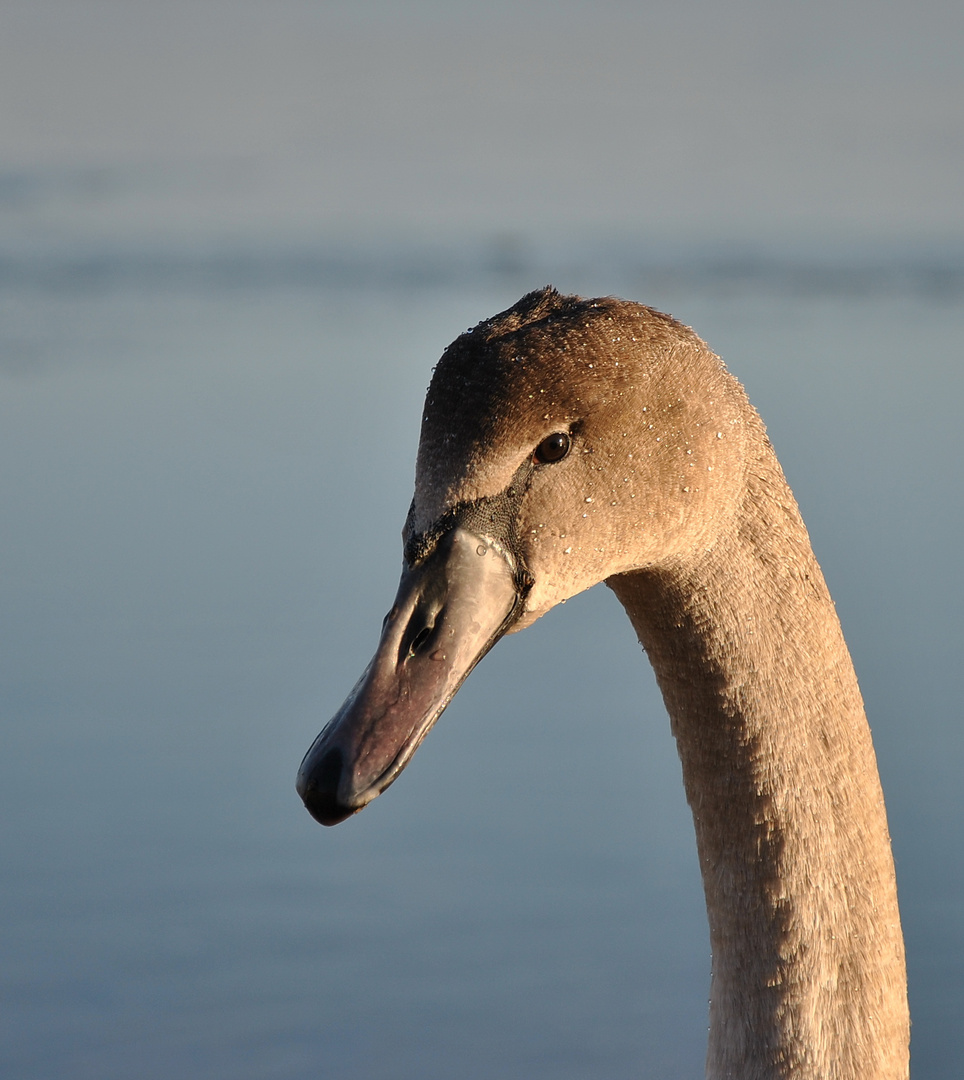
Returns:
(203,479)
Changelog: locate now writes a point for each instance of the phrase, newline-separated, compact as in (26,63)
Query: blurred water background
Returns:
(234,238)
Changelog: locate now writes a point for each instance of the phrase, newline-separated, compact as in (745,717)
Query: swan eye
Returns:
(553,448)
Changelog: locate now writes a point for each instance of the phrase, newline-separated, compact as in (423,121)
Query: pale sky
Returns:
(690,117)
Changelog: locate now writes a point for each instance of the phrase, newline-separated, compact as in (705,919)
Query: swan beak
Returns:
(450,609)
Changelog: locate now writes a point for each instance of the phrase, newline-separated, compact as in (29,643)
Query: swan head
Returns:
(564,441)
(648,430)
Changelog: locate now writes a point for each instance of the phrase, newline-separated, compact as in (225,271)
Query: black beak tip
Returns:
(318,788)
(326,809)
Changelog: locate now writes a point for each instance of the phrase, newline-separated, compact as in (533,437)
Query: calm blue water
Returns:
(204,470)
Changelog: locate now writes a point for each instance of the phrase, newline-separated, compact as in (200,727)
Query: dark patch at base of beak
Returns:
(449,611)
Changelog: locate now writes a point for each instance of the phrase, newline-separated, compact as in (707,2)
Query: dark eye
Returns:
(553,448)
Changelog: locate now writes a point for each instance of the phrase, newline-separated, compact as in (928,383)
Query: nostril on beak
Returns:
(420,638)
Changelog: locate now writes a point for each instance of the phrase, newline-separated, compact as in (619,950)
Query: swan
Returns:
(566,442)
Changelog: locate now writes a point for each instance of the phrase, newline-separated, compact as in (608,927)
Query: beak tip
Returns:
(325,807)
(318,784)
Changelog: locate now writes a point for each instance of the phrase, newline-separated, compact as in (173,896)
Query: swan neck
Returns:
(779,770)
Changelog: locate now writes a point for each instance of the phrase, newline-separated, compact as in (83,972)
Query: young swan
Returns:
(569,441)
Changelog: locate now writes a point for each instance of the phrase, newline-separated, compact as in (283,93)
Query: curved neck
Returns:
(808,962)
